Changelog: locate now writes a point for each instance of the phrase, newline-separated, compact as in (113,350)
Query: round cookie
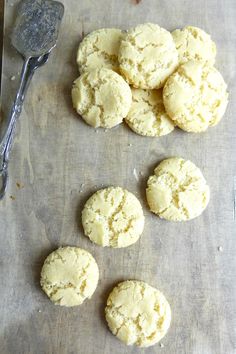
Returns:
(99,49)
(101,97)
(137,313)
(69,276)
(178,190)
(147,115)
(193,43)
(195,96)
(147,56)
(113,217)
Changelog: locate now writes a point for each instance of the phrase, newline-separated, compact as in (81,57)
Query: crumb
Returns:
(13,78)
(106,130)
(220,249)
(19,185)
(96,131)
(129,144)
(135,174)
(39,311)
(12,197)
(141,173)
(161,345)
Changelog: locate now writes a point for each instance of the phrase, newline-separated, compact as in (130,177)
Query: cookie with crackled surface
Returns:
(101,97)
(193,43)
(137,313)
(99,49)
(147,56)
(147,115)
(178,190)
(69,276)
(113,217)
(195,96)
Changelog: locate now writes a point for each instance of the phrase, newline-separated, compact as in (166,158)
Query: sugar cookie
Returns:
(147,115)
(137,313)
(193,43)
(99,49)
(195,96)
(113,217)
(147,56)
(69,276)
(101,97)
(178,190)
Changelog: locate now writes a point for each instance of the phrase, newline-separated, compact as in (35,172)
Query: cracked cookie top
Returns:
(113,217)
(195,96)
(193,43)
(137,313)
(101,97)
(99,49)
(147,56)
(147,115)
(178,190)
(69,276)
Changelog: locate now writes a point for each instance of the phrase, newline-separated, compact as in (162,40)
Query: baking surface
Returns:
(58,161)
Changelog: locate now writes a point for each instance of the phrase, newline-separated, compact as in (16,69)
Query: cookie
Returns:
(137,313)
(193,43)
(195,96)
(147,56)
(69,276)
(147,115)
(113,217)
(101,97)
(99,49)
(177,191)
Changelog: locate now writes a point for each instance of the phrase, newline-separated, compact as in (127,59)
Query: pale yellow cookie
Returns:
(193,43)
(137,313)
(101,97)
(99,49)
(178,190)
(147,115)
(69,276)
(195,96)
(147,56)
(113,217)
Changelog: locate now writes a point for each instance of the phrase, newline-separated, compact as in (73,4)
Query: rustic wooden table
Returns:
(58,161)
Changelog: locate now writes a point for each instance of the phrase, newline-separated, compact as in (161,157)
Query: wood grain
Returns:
(58,161)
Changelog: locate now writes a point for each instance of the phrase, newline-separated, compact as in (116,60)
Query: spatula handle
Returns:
(28,69)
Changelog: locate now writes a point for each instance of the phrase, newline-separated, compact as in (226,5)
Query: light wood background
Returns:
(58,161)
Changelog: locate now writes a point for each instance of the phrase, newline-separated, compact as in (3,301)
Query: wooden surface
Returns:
(58,161)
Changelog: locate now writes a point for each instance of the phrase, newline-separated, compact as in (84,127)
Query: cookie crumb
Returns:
(19,185)
(220,249)
(135,174)
(129,144)
(12,197)
(39,311)
(13,78)
(161,345)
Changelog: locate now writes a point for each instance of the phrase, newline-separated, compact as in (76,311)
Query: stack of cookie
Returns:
(153,79)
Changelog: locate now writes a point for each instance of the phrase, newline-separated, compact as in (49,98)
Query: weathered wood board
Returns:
(58,161)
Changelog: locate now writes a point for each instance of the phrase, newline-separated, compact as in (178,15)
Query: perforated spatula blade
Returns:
(36,27)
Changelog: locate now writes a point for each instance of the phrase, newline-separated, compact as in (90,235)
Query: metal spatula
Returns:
(34,36)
